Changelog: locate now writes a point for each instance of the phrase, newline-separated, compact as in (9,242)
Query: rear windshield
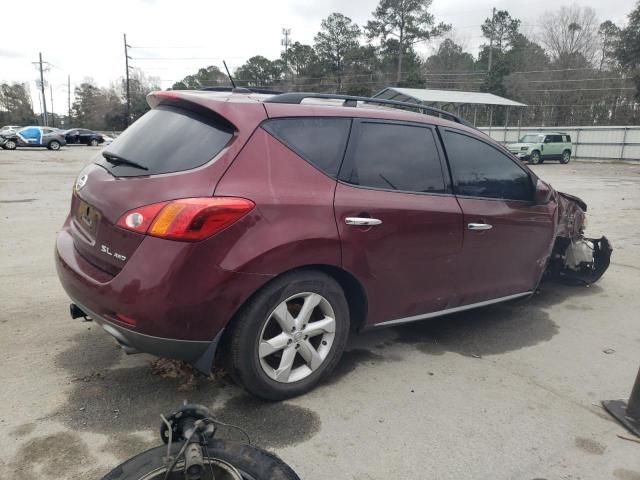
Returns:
(166,140)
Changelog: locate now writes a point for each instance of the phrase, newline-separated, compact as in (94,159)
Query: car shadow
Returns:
(491,330)
(109,396)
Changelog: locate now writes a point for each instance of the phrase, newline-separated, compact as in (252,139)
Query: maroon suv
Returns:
(259,230)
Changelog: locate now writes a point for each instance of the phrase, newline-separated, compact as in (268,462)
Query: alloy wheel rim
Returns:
(297,337)
(536,158)
(565,157)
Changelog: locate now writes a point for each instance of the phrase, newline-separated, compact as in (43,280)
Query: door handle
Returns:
(362,221)
(479,226)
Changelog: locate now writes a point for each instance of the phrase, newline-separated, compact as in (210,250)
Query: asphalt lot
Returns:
(506,392)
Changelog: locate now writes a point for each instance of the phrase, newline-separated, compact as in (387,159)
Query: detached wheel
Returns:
(93,142)
(53,145)
(10,145)
(252,463)
(534,158)
(566,157)
(289,336)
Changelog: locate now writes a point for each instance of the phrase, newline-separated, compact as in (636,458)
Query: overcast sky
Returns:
(84,38)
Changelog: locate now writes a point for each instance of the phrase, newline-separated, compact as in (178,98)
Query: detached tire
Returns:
(252,462)
(289,336)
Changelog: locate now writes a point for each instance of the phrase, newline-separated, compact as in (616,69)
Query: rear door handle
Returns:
(362,221)
(479,226)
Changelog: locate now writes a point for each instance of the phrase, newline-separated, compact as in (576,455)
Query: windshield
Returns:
(531,138)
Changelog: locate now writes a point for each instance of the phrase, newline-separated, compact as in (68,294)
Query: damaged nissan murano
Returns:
(276,224)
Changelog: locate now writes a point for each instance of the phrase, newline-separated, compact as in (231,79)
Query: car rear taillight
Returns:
(186,219)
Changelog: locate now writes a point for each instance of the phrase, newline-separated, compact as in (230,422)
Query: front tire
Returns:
(93,142)
(251,462)
(53,145)
(10,145)
(566,157)
(289,336)
(534,158)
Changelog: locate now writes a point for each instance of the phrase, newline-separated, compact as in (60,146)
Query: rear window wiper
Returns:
(114,159)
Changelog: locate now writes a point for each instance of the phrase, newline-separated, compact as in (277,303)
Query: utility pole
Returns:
(53,115)
(69,100)
(285,43)
(126,63)
(493,29)
(44,100)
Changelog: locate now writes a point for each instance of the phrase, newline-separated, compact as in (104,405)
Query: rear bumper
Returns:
(176,300)
(135,342)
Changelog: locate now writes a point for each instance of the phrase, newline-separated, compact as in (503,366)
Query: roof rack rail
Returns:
(352,101)
(242,90)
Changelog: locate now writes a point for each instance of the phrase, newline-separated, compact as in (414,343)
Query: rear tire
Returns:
(534,158)
(93,142)
(53,145)
(252,462)
(274,364)
(566,157)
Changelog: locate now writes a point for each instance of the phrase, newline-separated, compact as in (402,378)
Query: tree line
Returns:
(94,107)
(576,70)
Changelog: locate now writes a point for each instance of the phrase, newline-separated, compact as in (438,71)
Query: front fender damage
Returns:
(575,258)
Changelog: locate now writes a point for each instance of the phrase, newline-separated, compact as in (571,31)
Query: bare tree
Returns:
(570,32)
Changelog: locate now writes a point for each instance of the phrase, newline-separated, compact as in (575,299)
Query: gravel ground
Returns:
(506,392)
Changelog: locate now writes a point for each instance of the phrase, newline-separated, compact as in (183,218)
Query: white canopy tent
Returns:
(450,98)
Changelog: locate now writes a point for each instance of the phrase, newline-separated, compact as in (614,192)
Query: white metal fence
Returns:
(589,143)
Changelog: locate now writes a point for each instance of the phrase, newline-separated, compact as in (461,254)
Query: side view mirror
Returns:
(542,194)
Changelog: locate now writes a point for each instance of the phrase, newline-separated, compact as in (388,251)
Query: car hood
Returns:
(517,145)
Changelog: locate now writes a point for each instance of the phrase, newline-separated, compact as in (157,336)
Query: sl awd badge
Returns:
(105,249)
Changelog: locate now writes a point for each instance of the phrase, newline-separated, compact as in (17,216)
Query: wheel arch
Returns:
(354,292)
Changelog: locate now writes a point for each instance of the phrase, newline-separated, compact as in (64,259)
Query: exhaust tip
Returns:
(76,312)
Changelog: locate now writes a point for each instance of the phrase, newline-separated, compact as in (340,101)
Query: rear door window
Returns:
(393,156)
(481,170)
(321,141)
(166,140)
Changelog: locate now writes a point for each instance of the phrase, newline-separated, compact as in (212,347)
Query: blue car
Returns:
(50,138)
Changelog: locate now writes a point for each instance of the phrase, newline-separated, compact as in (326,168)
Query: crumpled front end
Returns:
(575,258)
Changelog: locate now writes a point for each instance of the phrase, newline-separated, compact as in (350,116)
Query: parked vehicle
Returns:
(9,129)
(274,228)
(193,451)
(82,136)
(107,139)
(538,147)
(47,137)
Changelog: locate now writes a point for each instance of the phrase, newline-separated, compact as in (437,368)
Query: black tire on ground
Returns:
(93,142)
(53,145)
(566,156)
(10,145)
(252,462)
(534,158)
(241,346)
